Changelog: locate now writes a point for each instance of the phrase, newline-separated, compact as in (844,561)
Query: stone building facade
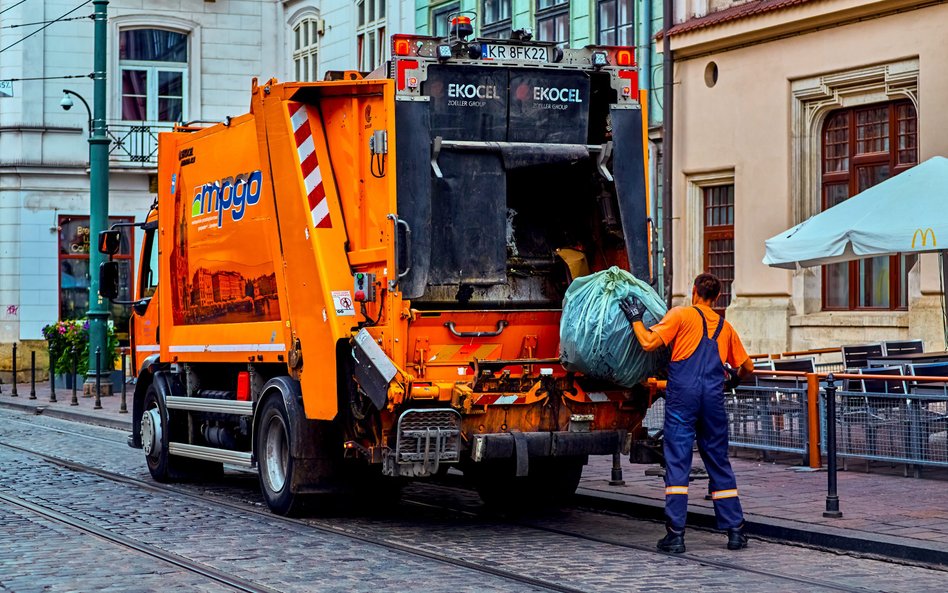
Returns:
(168,61)
(783,108)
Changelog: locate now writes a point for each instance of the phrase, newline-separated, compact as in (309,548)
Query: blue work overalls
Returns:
(694,405)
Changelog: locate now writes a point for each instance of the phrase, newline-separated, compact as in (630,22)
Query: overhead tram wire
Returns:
(56,20)
(46,77)
(74,18)
(12,7)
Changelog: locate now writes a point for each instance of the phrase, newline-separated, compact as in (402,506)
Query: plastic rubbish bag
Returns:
(595,336)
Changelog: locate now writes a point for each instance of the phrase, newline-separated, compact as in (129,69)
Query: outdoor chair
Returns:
(856,356)
(894,347)
(926,415)
(873,411)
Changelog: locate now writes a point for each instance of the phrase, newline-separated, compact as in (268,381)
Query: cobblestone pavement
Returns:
(294,557)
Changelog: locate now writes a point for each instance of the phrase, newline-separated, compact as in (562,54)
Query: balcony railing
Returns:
(135,143)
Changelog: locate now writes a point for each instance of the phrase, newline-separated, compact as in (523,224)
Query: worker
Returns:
(701,342)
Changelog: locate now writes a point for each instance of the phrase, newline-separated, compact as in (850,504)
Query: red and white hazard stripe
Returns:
(312,178)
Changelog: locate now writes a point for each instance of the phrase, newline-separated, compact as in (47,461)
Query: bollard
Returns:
(616,471)
(98,378)
(13,393)
(52,380)
(832,499)
(75,383)
(123,409)
(32,374)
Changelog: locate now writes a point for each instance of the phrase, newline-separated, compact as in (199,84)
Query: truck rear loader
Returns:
(360,281)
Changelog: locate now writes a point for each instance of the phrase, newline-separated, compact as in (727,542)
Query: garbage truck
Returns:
(359,281)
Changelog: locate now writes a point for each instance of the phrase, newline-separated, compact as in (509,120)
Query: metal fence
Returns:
(135,144)
(769,416)
(896,427)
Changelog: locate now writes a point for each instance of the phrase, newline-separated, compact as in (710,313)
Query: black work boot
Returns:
(674,541)
(736,539)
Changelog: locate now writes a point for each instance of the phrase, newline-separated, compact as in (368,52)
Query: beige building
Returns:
(784,108)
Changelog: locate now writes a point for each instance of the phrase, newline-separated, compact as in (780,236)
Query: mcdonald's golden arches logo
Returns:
(924,235)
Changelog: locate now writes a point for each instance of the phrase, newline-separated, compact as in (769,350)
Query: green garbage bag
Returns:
(595,336)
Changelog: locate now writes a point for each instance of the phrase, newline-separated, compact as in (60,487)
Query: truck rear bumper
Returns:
(548,444)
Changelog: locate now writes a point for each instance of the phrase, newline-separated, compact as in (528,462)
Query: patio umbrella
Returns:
(907,213)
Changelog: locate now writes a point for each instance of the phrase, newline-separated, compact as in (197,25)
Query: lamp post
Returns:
(67,104)
(98,313)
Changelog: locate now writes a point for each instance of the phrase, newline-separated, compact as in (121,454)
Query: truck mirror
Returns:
(110,241)
(109,279)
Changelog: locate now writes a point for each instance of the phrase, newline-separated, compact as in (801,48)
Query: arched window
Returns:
(306,49)
(863,146)
(154,74)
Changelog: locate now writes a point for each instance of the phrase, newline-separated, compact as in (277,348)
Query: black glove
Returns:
(632,308)
(733,378)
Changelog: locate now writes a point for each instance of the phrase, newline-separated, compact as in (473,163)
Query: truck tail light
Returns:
(243,386)
(402,47)
(624,57)
(401,67)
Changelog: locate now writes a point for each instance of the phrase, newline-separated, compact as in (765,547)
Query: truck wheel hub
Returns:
(151,432)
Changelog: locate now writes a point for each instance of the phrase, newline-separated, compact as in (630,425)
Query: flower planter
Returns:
(66,381)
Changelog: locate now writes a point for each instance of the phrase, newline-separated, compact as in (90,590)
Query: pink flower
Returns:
(62,329)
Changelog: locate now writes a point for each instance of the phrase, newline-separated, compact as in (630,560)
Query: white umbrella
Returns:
(907,213)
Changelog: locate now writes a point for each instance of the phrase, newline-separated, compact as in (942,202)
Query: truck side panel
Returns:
(222,300)
(314,147)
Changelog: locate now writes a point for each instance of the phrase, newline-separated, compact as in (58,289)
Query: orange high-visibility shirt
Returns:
(681,329)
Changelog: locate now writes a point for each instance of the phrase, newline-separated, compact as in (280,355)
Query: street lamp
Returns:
(66,103)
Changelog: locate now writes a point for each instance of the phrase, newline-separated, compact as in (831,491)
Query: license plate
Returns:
(515,52)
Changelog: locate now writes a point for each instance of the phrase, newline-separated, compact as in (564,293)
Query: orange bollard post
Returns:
(813,417)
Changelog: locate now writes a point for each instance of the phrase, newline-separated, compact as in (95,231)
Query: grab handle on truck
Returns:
(401,273)
(500,328)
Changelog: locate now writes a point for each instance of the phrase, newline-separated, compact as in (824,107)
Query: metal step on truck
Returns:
(360,281)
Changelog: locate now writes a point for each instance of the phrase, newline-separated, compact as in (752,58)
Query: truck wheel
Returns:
(550,483)
(155,431)
(275,464)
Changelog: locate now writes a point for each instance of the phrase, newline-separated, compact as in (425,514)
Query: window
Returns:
(862,147)
(553,21)
(154,68)
(496,19)
(305,49)
(149,265)
(616,26)
(440,18)
(719,239)
(370,34)
(74,269)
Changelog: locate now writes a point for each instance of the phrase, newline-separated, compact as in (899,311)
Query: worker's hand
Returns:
(733,378)
(632,308)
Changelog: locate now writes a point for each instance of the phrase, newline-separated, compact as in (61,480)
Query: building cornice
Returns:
(792,20)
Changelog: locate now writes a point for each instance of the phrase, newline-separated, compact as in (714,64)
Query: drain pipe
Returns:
(668,103)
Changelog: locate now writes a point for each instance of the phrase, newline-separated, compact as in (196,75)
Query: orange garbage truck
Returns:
(360,280)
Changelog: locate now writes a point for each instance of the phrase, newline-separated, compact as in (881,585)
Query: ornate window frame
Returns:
(812,99)
(693,217)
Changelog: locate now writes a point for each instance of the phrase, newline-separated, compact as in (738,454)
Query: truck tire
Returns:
(551,482)
(156,434)
(275,464)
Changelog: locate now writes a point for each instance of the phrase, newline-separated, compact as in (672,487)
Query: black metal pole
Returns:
(98,378)
(832,498)
(52,375)
(13,393)
(668,130)
(32,374)
(75,371)
(616,471)
(123,409)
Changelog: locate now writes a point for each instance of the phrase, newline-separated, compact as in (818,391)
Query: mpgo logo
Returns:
(230,193)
